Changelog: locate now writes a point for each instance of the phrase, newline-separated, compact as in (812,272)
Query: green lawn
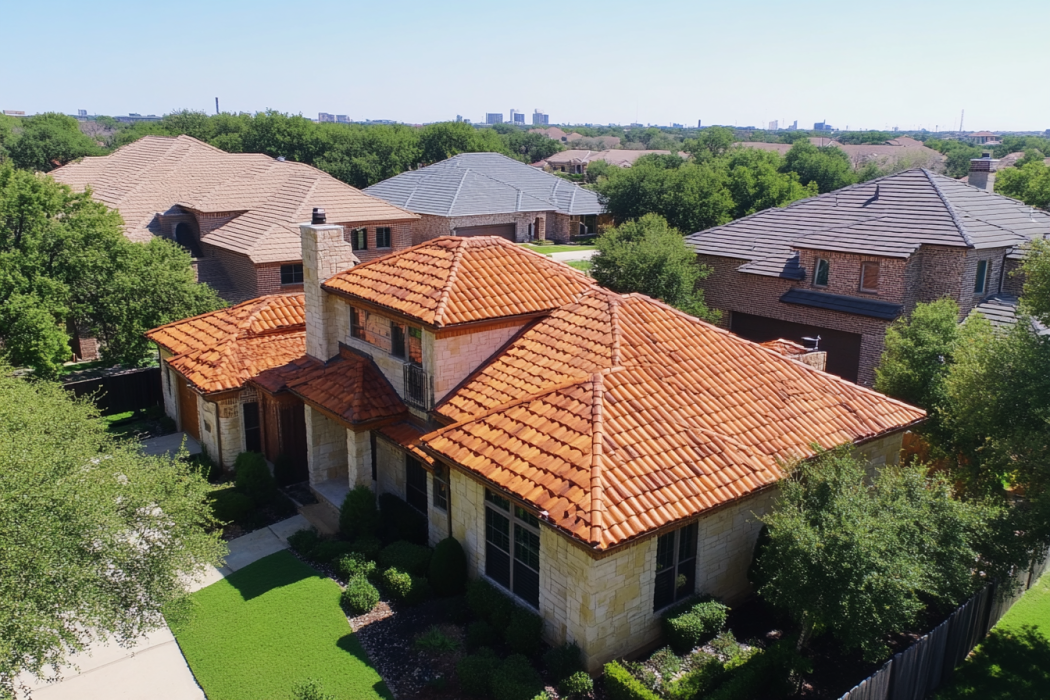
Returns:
(584,265)
(1013,662)
(548,249)
(255,634)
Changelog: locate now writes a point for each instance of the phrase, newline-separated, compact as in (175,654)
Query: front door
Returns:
(188,421)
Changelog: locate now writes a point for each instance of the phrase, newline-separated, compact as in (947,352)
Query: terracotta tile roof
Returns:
(408,436)
(455,279)
(349,386)
(276,379)
(619,415)
(160,174)
(223,349)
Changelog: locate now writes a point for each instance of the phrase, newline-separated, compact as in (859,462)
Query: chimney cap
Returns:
(318,216)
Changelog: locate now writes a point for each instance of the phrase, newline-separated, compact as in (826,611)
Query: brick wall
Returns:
(268,279)
(239,268)
(430,226)
(968,298)
(206,223)
(844,274)
(1013,280)
(401,234)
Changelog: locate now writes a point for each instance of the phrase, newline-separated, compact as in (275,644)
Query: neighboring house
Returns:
(599,456)
(237,213)
(595,142)
(900,152)
(984,137)
(489,194)
(576,161)
(844,265)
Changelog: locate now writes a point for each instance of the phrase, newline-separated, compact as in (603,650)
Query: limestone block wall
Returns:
(208,420)
(884,450)
(168,386)
(437,519)
(359,458)
(324,254)
(326,455)
(725,544)
(230,419)
(390,468)
(458,353)
(468,521)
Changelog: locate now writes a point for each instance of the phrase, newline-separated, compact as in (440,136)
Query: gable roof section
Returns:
(472,184)
(267,198)
(452,279)
(619,415)
(890,216)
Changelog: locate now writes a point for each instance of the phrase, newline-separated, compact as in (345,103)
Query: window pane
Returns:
(441,487)
(665,552)
(497,501)
(982,275)
(526,517)
(397,340)
(497,565)
(252,433)
(359,239)
(821,277)
(687,542)
(526,547)
(685,581)
(415,484)
(527,584)
(357,325)
(383,237)
(497,530)
(869,276)
(663,592)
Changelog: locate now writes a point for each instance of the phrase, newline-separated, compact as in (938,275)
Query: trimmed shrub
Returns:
(331,551)
(768,673)
(515,679)
(358,514)
(360,596)
(400,521)
(475,671)
(666,663)
(310,689)
(697,682)
(562,662)
(621,685)
(576,685)
(481,634)
(254,478)
(230,506)
(686,627)
(303,541)
(420,591)
(523,635)
(354,565)
(368,545)
(284,470)
(405,556)
(448,568)
(397,583)
(434,640)
(489,604)
(456,610)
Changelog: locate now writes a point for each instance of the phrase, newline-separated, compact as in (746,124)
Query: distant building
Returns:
(699,124)
(774,125)
(541,119)
(794,126)
(14,113)
(982,137)
(517,117)
(493,118)
(81,112)
(342,119)
(459,117)
(325,117)
(136,117)
(677,126)
(823,126)
(575,161)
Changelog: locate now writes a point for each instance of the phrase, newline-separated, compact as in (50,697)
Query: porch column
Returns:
(325,447)
(359,458)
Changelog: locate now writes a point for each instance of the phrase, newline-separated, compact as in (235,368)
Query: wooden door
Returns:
(188,421)
(293,437)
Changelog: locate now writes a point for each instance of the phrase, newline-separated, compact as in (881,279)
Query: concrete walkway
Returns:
(169,445)
(570,255)
(154,668)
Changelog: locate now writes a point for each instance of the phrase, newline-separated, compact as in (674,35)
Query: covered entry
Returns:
(507,231)
(843,348)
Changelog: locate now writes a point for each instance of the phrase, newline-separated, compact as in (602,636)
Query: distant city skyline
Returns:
(901,65)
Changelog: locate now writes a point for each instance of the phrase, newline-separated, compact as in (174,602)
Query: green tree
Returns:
(957,155)
(443,140)
(275,134)
(97,536)
(1036,271)
(828,167)
(859,557)
(1029,183)
(650,257)
(712,142)
(755,182)
(47,141)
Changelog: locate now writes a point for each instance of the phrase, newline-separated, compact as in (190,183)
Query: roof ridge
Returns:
(948,205)
(446,291)
(459,188)
(597,435)
(614,317)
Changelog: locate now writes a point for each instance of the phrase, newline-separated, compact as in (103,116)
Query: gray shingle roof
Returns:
(484,183)
(891,216)
(1001,311)
(838,302)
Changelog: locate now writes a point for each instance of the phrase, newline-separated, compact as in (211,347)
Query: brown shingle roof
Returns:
(619,415)
(270,197)
(452,279)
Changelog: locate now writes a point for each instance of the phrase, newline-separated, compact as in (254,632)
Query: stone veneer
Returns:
(326,447)
(556,225)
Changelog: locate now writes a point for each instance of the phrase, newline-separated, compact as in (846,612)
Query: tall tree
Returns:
(755,182)
(96,536)
(1029,183)
(829,167)
(47,141)
(712,142)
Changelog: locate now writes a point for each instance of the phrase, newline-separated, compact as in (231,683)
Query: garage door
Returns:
(843,348)
(503,230)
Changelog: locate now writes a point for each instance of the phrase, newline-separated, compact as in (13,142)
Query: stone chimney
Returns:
(325,253)
(982,172)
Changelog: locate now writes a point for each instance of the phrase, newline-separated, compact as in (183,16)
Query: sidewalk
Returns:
(572,255)
(154,668)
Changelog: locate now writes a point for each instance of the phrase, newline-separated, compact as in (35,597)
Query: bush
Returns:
(697,682)
(400,521)
(515,679)
(448,568)
(310,689)
(367,545)
(405,556)
(475,671)
(303,541)
(404,587)
(726,646)
(354,564)
(230,506)
(360,596)
(254,478)
(203,465)
(523,635)
(481,634)
(686,627)
(456,610)
(358,514)
(331,551)
(434,640)
(561,662)
(489,604)
(621,685)
(576,685)
(284,470)
(666,663)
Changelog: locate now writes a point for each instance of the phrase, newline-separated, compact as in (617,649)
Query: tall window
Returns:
(980,285)
(415,346)
(512,548)
(869,277)
(441,486)
(820,277)
(359,238)
(357,323)
(383,237)
(415,484)
(675,566)
(292,274)
(397,340)
(252,431)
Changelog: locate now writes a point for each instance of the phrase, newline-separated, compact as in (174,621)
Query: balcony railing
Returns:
(417,387)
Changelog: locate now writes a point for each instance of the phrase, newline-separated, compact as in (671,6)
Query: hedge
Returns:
(448,568)
(621,685)
(358,514)
(253,477)
(405,556)
(692,624)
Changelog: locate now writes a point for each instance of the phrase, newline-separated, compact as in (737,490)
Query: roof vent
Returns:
(280,159)
(877,190)
(318,217)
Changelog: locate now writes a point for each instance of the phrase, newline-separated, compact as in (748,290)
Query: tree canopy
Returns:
(96,536)
(1029,182)
(47,141)
(64,260)
(829,167)
(648,256)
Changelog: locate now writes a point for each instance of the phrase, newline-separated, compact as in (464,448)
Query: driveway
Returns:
(572,255)
(154,668)
(169,445)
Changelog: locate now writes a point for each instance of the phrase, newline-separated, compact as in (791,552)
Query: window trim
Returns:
(294,270)
(388,232)
(864,266)
(411,461)
(257,428)
(363,231)
(441,487)
(677,561)
(827,272)
(517,518)
(980,282)
(357,325)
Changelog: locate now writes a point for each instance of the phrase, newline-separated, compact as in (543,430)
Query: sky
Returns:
(858,65)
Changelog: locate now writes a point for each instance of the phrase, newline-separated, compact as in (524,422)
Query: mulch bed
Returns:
(281,509)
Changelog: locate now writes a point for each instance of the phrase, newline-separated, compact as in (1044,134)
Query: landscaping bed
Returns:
(249,500)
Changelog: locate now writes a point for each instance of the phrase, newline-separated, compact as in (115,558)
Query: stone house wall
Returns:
(1013,279)
(457,353)
(326,447)
(168,386)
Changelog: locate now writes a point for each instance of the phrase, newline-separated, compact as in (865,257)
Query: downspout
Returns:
(218,431)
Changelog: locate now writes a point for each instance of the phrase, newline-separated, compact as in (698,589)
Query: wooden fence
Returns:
(916,672)
(127,390)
